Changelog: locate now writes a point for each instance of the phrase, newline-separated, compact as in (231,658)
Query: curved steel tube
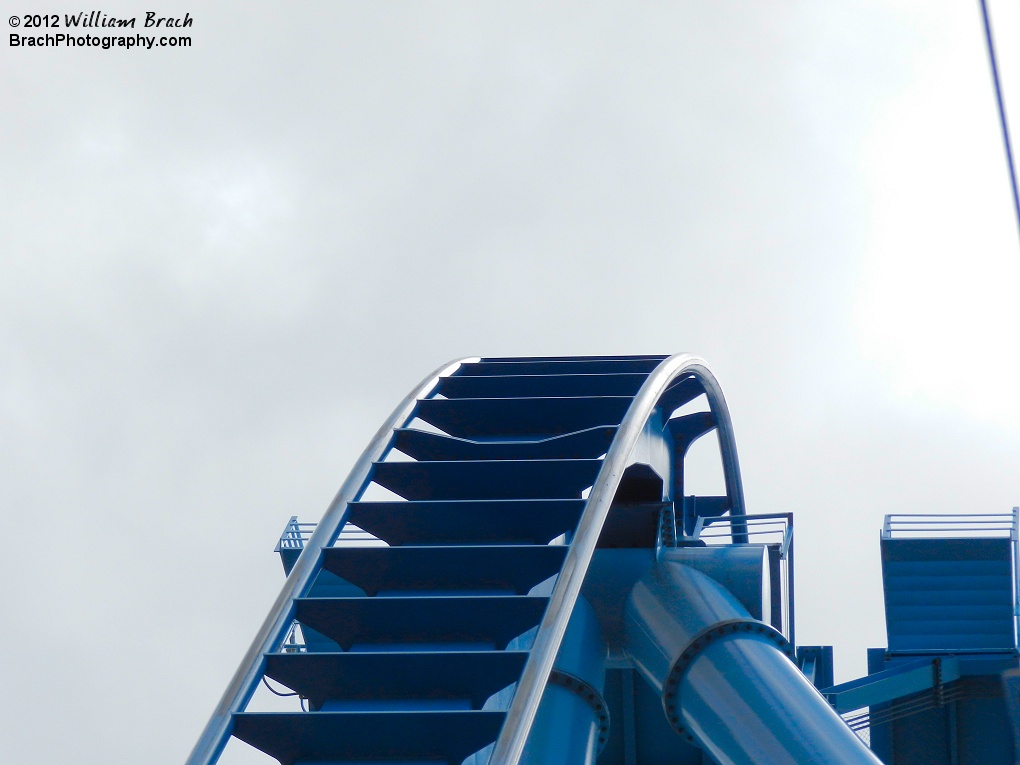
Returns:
(510,744)
(727,681)
(274,628)
(727,443)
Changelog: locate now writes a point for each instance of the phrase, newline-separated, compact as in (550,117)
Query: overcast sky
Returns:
(224,265)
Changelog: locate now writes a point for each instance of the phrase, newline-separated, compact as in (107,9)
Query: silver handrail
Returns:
(510,744)
(277,624)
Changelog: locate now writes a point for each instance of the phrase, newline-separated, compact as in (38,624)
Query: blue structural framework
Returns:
(945,690)
(535,586)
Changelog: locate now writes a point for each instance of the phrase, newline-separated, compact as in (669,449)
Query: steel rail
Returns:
(276,625)
(510,744)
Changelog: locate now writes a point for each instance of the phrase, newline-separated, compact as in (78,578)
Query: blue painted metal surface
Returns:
(936,694)
(572,724)
(726,678)
(1011,693)
(949,594)
(544,590)
(896,683)
(816,662)
(955,721)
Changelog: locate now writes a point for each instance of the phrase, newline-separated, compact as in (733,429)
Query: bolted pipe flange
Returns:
(697,644)
(590,696)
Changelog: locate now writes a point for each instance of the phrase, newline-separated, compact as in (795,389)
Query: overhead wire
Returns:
(273,690)
(1002,110)
(301,699)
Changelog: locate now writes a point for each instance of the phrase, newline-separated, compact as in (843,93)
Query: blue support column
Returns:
(572,724)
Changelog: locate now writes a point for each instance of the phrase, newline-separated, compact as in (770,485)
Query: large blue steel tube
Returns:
(572,723)
(726,679)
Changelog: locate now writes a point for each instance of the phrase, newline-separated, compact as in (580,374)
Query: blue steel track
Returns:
(540,591)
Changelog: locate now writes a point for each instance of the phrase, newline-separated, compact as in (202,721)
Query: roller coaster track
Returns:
(440,645)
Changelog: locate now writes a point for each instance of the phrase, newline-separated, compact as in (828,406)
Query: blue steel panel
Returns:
(925,739)
(689,428)
(880,734)
(621,357)
(468,522)
(487,479)
(514,569)
(781,597)
(639,732)
(815,661)
(346,736)
(932,637)
(329,585)
(975,567)
(288,557)
(743,570)
(956,549)
(948,594)
(679,393)
(502,386)
(316,642)
(477,620)
(963,723)
(563,366)
(1011,691)
(961,619)
(611,575)
(584,444)
(517,417)
(708,507)
(473,675)
(983,735)
(656,741)
(633,524)
(957,591)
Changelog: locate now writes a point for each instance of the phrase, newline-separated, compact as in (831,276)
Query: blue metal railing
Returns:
(959,525)
(296,535)
(766,528)
(774,530)
(927,525)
